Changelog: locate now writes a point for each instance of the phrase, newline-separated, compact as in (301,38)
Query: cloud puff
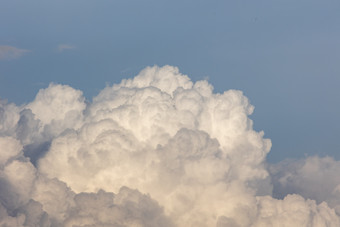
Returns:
(154,150)
(294,210)
(11,52)
(313,177)
(63,47)
(127,208)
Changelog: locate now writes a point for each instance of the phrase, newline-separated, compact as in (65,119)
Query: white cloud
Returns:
(154,150)
(10,52)
(63,47)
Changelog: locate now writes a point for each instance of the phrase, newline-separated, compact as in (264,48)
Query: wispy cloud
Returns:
(63,47)
(11,52)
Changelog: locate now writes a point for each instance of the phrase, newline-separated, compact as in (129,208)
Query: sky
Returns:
(169,113)
(284,56)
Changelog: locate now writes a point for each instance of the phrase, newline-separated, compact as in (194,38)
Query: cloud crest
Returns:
(154,150)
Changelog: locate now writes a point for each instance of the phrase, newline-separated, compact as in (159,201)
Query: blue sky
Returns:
(283,54)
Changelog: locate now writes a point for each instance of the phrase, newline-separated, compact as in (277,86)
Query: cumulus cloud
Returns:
(127,208)
(154,150)
(11,52)
(63,47)
(313,177)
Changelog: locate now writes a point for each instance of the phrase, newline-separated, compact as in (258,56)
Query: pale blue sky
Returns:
(283,54)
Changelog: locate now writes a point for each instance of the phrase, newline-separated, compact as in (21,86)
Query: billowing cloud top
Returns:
(154,150)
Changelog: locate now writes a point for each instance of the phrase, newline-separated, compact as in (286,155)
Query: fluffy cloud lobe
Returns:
(154,150)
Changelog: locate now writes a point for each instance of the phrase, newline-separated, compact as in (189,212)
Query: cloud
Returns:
(153,150)
(127,208)
(63,47)
(313,177)
(10,52)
